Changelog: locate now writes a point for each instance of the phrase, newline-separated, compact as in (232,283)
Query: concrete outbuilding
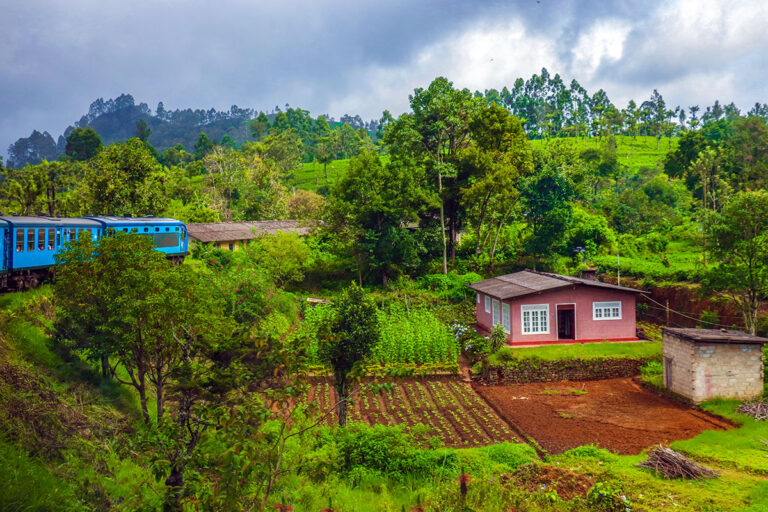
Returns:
(700,364)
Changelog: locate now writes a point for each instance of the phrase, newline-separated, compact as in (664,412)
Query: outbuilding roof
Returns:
(715,335)
(527,282)
(246,230)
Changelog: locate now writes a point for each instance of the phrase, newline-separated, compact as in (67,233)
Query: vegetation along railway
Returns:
(30,244)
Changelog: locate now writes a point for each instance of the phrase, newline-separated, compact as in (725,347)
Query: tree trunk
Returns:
(175,484)
(325,171)
(160,399)
(342,390)
(442,221)
(142,389)
(105,368)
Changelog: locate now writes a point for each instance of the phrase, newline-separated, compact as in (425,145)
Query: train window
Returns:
(146,230)
(176,229)
(134,230)
(40,239)
(19,240)
(30,239)
(51,238)
(72,234)
(157,229)
(58,238)
(167,229)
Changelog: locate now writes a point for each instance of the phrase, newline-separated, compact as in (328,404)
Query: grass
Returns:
(633,350)
(738,449)
(632,152)
(310,176)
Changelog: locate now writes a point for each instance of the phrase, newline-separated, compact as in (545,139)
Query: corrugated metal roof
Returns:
(527,282)
(246,230)
(714,335)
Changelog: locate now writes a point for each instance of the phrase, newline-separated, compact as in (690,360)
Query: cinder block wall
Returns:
(701,371)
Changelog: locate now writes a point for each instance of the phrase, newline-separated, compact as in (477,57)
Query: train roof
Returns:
(113,219)
(50,222)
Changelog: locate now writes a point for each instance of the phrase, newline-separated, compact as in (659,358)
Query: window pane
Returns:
(58,238)
(30,239)
(51,238)
(40,239)
(19,240)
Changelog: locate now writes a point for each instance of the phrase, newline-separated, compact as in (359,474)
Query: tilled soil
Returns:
(616,414)
(449,407)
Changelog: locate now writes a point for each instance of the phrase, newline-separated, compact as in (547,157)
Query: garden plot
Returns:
(453,411)
(616,414)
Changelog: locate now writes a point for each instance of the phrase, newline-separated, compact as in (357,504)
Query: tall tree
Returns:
(738,237)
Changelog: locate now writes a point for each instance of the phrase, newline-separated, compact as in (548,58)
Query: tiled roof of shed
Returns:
(527,282)
(714,335)
(246,230)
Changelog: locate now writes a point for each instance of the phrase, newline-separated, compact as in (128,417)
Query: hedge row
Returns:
(519,371)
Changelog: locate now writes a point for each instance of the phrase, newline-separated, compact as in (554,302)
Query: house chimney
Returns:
(589,274)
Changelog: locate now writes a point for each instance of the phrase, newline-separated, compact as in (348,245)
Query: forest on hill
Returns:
(323,372)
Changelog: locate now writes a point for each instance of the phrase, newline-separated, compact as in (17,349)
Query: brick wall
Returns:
(701,371)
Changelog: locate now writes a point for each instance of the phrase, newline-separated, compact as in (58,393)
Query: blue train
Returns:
(30,244)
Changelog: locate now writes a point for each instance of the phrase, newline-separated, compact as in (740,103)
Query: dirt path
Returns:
(616,414)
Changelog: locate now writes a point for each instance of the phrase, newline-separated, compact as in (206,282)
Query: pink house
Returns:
(538,307)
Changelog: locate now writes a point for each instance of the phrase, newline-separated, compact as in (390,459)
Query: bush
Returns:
(389,450)
(451,286)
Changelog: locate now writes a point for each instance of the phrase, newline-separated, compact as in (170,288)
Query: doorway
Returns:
(566,322)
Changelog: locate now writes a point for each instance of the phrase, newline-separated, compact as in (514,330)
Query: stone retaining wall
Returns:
(537,370)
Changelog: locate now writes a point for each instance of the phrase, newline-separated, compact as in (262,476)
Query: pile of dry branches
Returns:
(757,408)
(675,465)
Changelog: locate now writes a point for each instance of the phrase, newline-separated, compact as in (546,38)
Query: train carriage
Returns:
(169,236)
(30,244)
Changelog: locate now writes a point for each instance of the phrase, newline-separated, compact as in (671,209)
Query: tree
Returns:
(547,206)
(285,256)
(738,237)
(432,137)
(123,179)
(142,131)
(370,206)
(348,340)
(83,144)
(495,164)
(283,149)
(260,126)
(203,146)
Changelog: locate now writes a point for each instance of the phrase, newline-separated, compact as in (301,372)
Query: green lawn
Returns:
(634,350)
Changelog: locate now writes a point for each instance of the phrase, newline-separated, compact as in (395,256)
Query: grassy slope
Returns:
(632,153)
(640,349)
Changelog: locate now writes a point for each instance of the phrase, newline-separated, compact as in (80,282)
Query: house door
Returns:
(565,324)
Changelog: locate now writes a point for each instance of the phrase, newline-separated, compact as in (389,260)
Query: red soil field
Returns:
(616,414)
(453,411)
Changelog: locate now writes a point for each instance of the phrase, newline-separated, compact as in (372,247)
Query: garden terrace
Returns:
(453,411)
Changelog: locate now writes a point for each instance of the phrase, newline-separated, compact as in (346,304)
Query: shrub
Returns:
(451,286)
(498,337)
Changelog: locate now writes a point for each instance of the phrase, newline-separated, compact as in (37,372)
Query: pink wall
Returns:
(586,327)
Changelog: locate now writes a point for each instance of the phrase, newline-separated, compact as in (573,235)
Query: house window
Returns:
(496,315)
(535,318)
(606,310)
(231,246)
(487,304)
(478,297)
(505,320)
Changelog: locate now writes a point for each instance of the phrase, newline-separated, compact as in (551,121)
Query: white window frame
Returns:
(599,310)
(478,297)
(496,316)
(487,304)
(539,309)
(506,319)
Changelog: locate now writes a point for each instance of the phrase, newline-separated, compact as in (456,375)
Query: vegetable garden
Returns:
(454,413)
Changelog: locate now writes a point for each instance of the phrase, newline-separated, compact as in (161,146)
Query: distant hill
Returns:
(115,121)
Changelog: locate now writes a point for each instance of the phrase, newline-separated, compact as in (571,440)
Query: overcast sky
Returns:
(362,57)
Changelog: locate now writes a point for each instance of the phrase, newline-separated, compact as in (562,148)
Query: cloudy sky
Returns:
(361,57)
